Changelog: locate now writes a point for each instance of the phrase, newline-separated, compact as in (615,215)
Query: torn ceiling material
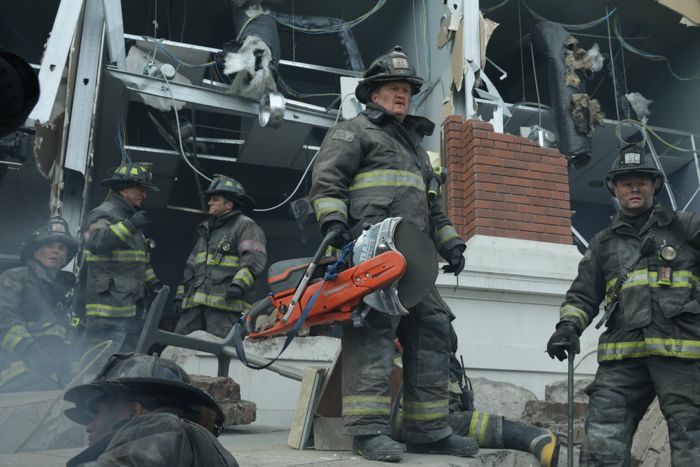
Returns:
(575,112)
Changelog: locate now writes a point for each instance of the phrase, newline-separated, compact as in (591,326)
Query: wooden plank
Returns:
(306,405)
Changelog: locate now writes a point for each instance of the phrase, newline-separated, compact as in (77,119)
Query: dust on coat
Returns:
(34,308)
(654,317)
(371,167)
(158,438)
(118,261)
(229,250)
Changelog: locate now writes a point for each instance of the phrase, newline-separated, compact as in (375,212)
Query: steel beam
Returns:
(218,102)
(54,61)
(115,32)
(86,85)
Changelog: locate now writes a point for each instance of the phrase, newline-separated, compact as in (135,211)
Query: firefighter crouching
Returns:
(119,274)
(369,168)
(644,266)
(35,313)
(143,410)
(219,279)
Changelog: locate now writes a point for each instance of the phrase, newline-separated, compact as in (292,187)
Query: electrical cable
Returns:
(179,133)
(612,63)
(644,126)
(184,19)
(495,7)
(308,166)
(159,45)
(522,59)
(573,27)
(335,28)
(537,87)
(650,56)
(415,34)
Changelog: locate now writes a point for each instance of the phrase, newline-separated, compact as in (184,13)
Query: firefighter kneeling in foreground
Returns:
(142,410)
(35,354)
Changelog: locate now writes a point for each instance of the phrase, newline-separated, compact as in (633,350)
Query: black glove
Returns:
(456,259)
(564,339)
(342,234)
(235,292)
(139,219)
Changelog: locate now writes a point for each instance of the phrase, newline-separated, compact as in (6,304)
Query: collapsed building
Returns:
(534,98)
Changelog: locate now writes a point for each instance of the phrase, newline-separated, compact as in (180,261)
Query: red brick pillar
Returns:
(503,185)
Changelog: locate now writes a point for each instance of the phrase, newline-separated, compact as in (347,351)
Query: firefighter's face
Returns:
(107,414)
(219,206)
(635,192)
(395,97)
(52,255)
(135,195)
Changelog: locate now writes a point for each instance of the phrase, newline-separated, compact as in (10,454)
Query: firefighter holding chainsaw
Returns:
(221,269)
(644,266)
(370,168)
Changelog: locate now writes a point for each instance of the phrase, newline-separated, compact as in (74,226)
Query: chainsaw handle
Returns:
(329,237)
(325,243)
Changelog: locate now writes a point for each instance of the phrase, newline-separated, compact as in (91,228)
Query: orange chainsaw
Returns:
(388,269)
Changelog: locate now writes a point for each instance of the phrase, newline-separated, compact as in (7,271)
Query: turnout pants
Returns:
(367,364)
(123,332)
(619,397)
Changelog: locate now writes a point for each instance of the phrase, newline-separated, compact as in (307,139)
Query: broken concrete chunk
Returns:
(220,388)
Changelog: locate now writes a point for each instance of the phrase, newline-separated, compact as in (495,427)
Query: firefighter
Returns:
(143,410)
(491,431)
(35,312)
(119,275)
(369,168)
(644,267)
(230,253)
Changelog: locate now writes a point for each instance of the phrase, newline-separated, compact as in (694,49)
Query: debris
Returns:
(597,59)
(640,105)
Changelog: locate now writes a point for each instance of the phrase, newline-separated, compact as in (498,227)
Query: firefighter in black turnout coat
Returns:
(370,168)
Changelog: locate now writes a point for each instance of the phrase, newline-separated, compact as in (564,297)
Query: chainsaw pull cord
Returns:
(332,271)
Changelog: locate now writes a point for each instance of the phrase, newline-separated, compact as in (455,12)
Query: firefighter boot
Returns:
(541,442)
(377,448)
(453,445)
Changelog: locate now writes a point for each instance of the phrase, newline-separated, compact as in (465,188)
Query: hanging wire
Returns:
(308,166)
(522,56)
(649,56)
(335,28)
(415,35)
(184,19)
(646,127)
(179,133)
(572,27)
(612,63)
(537,87)
(158,43)
(495,7)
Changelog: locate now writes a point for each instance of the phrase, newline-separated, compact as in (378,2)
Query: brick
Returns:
(479,124)
(453,120)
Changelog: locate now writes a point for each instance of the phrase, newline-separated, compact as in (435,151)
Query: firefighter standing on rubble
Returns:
(369,168)
(144,411)
(645,267)
(119,274)
(34,312)
(230,253)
